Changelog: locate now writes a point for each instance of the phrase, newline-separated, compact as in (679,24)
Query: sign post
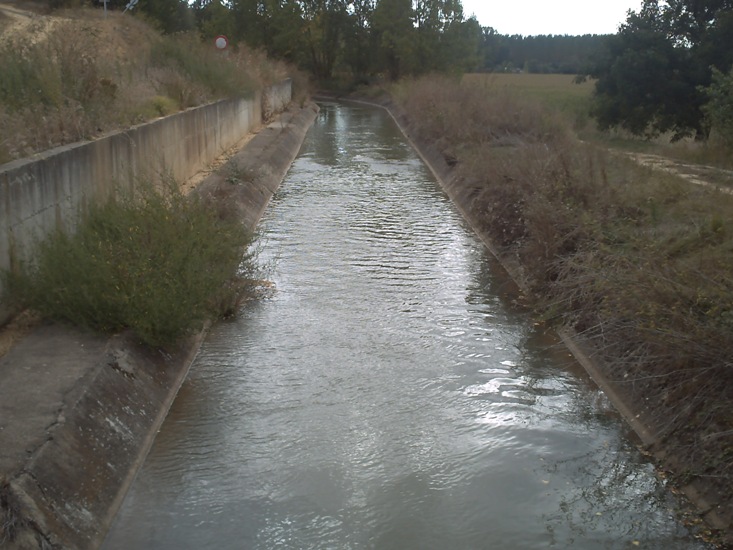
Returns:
(221,42)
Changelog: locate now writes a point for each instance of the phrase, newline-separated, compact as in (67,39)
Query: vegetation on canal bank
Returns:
(153,261)
(636,262)
(75,74)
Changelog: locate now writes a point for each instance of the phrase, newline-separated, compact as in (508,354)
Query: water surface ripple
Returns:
(386,396)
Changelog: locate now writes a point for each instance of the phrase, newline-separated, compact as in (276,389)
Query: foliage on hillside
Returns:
(357,42)
(638,263)
(77,74)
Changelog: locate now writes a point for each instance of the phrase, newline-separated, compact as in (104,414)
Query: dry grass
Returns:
(555,89)
(560,93)
(77,74)
(556,92)
(638,262)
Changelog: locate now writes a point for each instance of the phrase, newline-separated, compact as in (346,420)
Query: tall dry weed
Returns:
(54,90)
(78,75)
(637,262)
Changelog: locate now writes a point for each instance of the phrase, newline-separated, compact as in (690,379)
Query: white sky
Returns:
(533,17)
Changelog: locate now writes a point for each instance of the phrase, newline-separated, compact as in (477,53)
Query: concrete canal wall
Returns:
(48,191)
(79,412)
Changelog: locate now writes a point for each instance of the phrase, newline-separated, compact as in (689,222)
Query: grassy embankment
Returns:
(637,262)
(155,262)
(72,75)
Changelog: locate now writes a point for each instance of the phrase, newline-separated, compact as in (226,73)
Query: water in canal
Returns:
(387,395)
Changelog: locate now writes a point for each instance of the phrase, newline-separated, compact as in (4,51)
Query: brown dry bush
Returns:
(638,263)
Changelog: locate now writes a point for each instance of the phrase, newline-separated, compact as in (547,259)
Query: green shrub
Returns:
(155,107)
(152,261)
(719,108)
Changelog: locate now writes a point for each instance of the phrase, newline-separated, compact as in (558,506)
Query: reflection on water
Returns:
(386,396)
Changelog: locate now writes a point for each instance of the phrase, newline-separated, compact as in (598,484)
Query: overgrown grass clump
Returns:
(153,261)
(78,74)
(638,262)
(195,70)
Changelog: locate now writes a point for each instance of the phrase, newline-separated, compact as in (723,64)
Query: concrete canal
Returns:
(388,395)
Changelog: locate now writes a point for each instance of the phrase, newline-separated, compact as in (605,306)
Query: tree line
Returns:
(667,69)
(538,54)
(362,39)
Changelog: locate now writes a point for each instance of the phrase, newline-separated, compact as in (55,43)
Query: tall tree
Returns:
(325,24)
(651,75)
(168,15)
(432,20)
(282,25)
(461,46)
(214,19)
(359,40)
(394,31)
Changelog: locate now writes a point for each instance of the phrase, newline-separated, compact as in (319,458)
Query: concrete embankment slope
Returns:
(79,412)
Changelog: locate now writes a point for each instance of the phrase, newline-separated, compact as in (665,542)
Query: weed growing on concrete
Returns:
(152,261)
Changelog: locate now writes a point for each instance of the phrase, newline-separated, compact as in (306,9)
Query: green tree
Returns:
(325,22)
(273,25)
(168,15)
(395,35)
(286,32)
(363,37)
(251,22)
(214,19)
(433,19)
(719,107)
(359,40)
(651,74)
(461,46)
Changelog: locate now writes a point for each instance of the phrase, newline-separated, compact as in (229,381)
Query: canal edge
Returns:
(65,490)
(650,444)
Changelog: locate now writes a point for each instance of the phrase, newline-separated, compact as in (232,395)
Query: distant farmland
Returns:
(554,90)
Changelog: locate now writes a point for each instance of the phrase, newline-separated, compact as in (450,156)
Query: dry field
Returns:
(553,90)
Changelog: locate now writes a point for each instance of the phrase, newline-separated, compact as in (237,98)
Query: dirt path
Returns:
(24,19)
(14,14)
(705,176)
